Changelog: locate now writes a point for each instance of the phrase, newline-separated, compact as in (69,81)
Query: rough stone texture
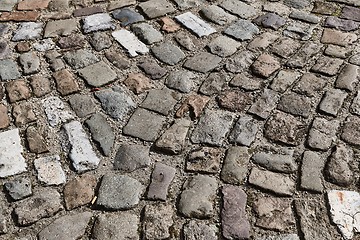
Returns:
(235,101)
(355,106)
(281,160)
(194,104)
(195,24)
(11,160)
(351,131)
(8,70)
(262,41)
(270,20)
(81,153)
(156,8)
(144,124)
(40,85)
(116,226)
(285,47)
(44,203)
(322,134)
(235,166)
(116,102)
(244,131)
(341,24)
(305,53)
(274,214)
(332,101)
(223,46)
(147,33)
(213,84)
(160,101)
(336,37)
(97,22)
(348,77)
(100,41)
(55,111)
(274,182)
(206,160)
(199,231)
(157,221)
(240,9)
(83,105)
(23,114)
(18,188)
(242,30)
(65,82)
(127,16)
(212,127)
(311,171)
(217,15)
(173,139)
(240,62)
(161,179)
(338,167)
(119,192)
(234,219)
(203,62)
(138,83)
(351,13)
(66,227)
(327,66)
(28,31)
(91,73)
(154,70)
(101,132)
(129,41)
(197,197)
(80,58)
(49,170)
(295,104)
(265,65)
(299,31)
(337,51)
(131,157)
(185,41)
(79,191)
(117,60)
(310,85)
(284,79)
(60,28)
(181,80)
(265,104)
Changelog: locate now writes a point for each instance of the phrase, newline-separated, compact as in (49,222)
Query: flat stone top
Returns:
(184,119)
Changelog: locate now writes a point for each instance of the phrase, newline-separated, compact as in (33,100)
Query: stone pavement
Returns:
(184,119)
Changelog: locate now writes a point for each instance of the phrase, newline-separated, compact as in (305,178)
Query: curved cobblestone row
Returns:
(184,119)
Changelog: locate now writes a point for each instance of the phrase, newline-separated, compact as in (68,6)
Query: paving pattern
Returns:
(183,119)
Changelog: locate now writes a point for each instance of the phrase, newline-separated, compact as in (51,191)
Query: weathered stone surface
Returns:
(83,105)
(117,60)
(65,82)
(195,24)
(11,160)
(100,41)
(311,172)
(202,62)
(298,4)
(60,28)
(338,168)
(206,160)
(337,51)
(144,124)
(234,219)
(279,160)
(235,166)
(19,188)
(80,58)
(18,90)
(131,157)
(348,77)
(332,101)
(344,206)
(49,170)
(66,227)
(28,16)
(173,139)
(310,85)
(265,104)
(324,8)
(181,80)
(86,11)
(101,132)
(299,31)
(91,74)
(262,41)
(244,131)
(127,16)
(4,118)
(242,30)
(355,106)
(217,15)
(81,153)
(8,70)
(265,65)
(274,214)
(306,52)
(7,5)
(119,192)
(185,41)
(168,53)
(270,20)
(327,66)
(74,41)
(351,13)
(120,4)
(284,79)
(236,101)
(223,46)
(169,25)
(194,230)
(79,191)
(160,101)
(285,128)
(304,16)
(275,182)
(55,111)
(213,84)
(30,63)
(212,127)
(240,62)
(147,33)
(161,178)
(116,226)
(285,47)
(153,69)
(240,9)
(116,102)
(158,221)
(197,197)
(336,37)
(97,22)
(341,24)
(45,202)
(296,104)
(156,8)
(194,104)
(138,83)
(314,220)
(322,134)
